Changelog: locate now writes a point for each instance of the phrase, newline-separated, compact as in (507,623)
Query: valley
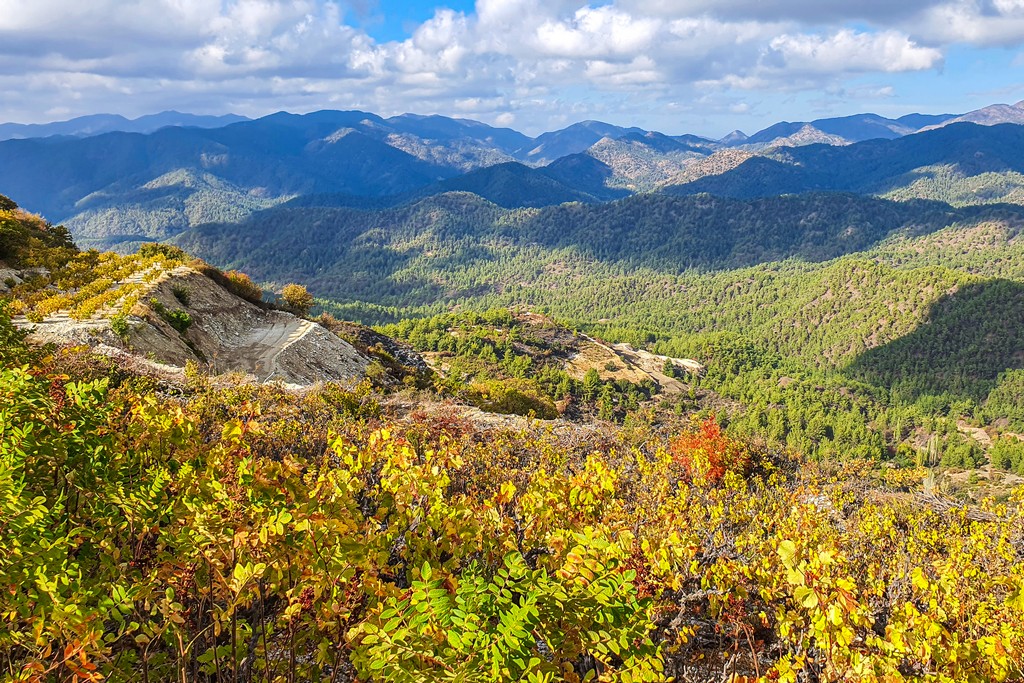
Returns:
(876,257)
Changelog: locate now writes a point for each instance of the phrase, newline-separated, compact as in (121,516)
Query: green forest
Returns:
(911,306)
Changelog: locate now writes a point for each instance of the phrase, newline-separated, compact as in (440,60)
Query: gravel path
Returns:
(260,350)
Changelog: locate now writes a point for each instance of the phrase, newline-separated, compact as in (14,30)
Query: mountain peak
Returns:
(734,138)
(991,115)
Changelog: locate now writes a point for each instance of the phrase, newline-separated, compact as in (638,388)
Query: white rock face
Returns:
(227,334)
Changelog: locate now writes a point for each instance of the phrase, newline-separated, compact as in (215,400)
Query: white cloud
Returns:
(850,51)
(522,60)
(641,71)
(596,33)
(974,23)
(806,11)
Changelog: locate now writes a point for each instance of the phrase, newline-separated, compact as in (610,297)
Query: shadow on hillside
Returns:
(585,173)
(1010,215)
(370,252)
(511,185)
(965,341)
(955,183)
(342,253)
(710,232)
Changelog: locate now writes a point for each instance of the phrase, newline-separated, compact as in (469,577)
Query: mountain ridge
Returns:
(96,124)
(868,167)
(124,188)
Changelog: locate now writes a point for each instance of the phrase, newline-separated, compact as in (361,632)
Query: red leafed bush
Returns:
(707,453)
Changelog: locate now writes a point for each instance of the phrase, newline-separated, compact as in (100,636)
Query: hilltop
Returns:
(163,313)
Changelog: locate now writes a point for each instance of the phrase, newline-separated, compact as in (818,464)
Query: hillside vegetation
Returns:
(165,312)
(29,240)
(885,321)
(803,472)
(651,264)
(671,233)
(249,534)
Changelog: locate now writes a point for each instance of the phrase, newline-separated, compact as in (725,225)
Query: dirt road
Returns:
(258,352)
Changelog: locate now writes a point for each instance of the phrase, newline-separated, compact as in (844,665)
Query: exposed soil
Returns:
(977,433)
(226,334)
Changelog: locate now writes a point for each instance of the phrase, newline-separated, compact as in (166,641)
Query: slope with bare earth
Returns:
(991,115)
(225,333)
(623,362)
(233,335)
(720,162)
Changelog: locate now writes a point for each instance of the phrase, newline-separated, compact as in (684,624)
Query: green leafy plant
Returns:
(119,326)
(514,623)
(180,320)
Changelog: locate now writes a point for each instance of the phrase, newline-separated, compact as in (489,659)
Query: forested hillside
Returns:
(121,189)
(809,472)
(153,175)
(673,234)
(904,304)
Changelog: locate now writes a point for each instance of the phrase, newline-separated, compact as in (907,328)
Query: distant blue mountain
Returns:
(856,128)
(158,175)
(571,140)
(919,121)
(97,124)
(939,163)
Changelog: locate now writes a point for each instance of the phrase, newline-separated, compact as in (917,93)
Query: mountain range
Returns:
(96,124)
(551,145)
(824,242)
(116,182)
(911,165)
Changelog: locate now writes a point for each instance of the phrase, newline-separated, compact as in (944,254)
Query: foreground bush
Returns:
(247,534)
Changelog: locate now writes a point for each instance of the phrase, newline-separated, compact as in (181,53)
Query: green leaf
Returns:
(454,640)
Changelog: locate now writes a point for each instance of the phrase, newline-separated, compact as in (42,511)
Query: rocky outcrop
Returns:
(185,316)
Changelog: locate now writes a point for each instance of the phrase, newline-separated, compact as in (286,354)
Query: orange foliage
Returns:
(707,453)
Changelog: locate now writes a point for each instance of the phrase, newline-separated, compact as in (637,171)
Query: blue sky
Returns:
(391,20)
(702,66)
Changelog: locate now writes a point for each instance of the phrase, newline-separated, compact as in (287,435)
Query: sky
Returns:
(677,66)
